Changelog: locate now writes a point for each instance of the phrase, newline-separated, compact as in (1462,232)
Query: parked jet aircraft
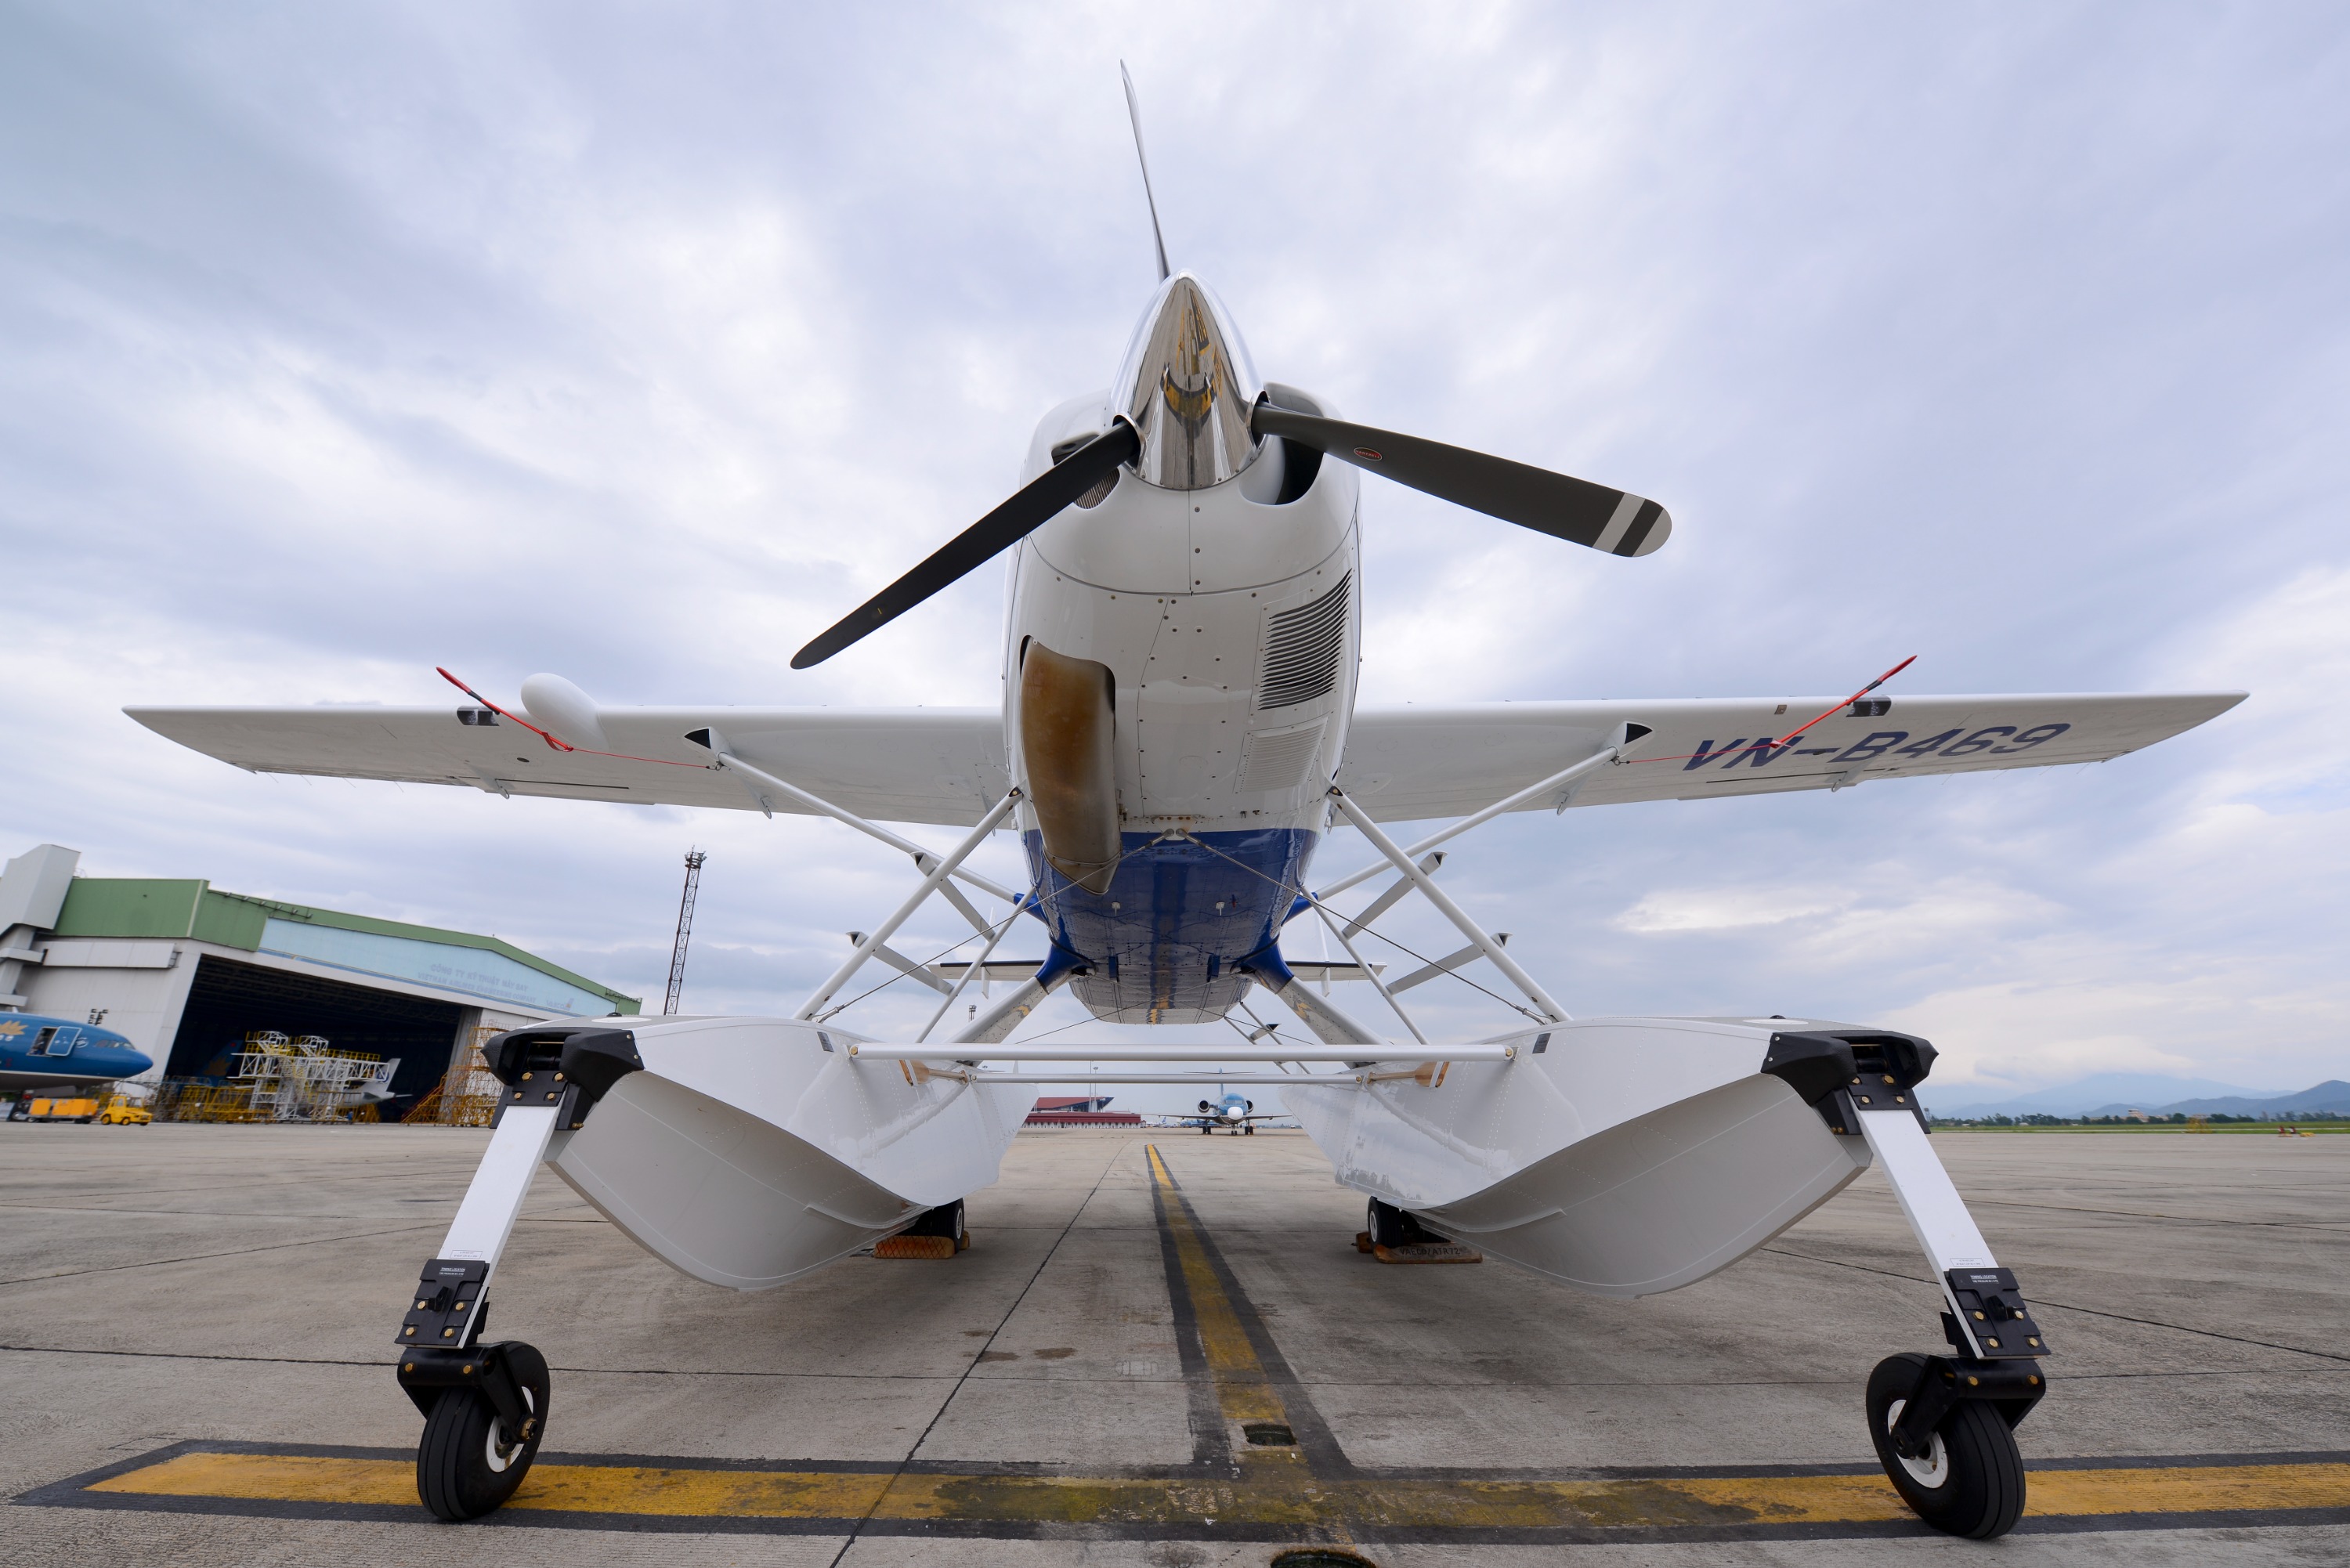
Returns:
(49,1054)
(1178,736)
(1233,1112)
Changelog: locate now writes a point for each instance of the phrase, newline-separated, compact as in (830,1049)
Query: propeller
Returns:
(1613,521)
(1187,330)
(1032,506)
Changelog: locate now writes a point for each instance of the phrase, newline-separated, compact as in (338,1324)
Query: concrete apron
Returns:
(1264,1466)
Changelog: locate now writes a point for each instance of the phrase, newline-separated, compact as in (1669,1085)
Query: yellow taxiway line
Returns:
(1243,1391)
(1266,1498)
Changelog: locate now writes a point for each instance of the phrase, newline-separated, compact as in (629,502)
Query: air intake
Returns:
(1302,649)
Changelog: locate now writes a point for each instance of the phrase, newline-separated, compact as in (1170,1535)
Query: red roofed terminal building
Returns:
(1078,1111)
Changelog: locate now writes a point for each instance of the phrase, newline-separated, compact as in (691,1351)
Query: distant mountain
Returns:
(2332,1096)
(2144,1091)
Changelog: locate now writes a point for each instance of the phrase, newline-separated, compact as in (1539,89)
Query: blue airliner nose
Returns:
(114,1059)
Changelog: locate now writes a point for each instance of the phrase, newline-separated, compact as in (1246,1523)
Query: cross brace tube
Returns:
(990,1026)
(1618,740)
(1553,1012)
(976,967)
(1304,1006)
(920,972)
(1393,895)
(1291,1080)
(1445,965)
(866,1051)
(940,871)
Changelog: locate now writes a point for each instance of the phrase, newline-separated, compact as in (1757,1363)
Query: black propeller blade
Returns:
(1573,509)
(1030,508)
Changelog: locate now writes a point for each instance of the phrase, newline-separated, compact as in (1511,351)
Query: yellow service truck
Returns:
(118,1110)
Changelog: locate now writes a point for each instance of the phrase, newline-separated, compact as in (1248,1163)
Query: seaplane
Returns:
(1178,743)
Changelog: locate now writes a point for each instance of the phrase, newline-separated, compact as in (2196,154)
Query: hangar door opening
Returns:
(229,1001)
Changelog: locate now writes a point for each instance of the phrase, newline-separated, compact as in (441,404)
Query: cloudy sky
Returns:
(637,343)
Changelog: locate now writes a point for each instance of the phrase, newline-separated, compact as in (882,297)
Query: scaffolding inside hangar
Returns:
(467,1096)
(284,1078)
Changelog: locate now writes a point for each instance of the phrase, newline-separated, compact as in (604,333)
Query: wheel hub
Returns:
(1930,1469)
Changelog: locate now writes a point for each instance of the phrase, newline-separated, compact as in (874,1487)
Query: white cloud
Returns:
(1718,909)
(347,344)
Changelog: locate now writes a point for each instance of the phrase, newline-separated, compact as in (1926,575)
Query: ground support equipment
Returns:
(485,1406)
(1943,1425)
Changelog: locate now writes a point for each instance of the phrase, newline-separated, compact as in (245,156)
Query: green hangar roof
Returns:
(495,970)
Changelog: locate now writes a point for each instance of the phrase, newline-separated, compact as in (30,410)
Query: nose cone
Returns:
(1187,387)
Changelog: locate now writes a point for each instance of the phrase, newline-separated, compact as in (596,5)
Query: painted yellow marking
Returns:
(273,1478)
(590,1488)
(2203,1488)
(1243,1390)
(1272,1496)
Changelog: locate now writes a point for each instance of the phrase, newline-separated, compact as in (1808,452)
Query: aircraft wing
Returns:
(904,765)
(1414,762)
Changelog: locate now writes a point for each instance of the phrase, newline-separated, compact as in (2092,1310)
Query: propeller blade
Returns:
(1032,506)
(1613,521)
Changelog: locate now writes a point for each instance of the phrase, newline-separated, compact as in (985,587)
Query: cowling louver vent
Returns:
(1301,647)
(1278,760)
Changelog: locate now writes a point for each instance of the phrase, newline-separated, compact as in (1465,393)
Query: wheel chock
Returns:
(1395,1237)
(1418,1251)
(937,1234)
(1427,1252)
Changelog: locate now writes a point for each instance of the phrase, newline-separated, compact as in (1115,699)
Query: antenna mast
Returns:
(693,858)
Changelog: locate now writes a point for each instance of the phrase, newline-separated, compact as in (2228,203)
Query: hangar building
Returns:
(186,972)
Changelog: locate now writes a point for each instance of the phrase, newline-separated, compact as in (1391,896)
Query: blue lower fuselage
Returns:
(1185,921)
(42,1054)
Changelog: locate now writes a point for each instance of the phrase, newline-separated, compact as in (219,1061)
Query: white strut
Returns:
(1937,1215)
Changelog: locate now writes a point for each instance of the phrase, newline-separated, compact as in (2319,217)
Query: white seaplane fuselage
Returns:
(1179,660)
(1230,619)
(1215,582)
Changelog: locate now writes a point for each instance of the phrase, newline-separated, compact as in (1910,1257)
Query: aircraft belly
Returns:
(1165,943)
(12,1081)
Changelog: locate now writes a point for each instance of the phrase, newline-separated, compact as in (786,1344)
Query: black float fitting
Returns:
(568,1066)
(1841,1073)
(1996,1318)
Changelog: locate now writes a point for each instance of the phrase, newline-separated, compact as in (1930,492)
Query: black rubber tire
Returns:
(1980,1494)
(455,1475)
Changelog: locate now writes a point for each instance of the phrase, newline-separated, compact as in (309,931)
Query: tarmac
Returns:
(197,1325)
